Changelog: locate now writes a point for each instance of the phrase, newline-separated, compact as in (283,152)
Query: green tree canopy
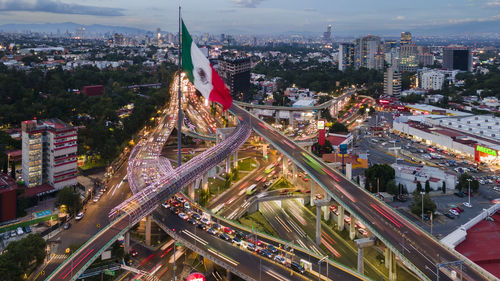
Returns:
(463,183)
(67,196)
(416,205)
(338,127)
(381,173)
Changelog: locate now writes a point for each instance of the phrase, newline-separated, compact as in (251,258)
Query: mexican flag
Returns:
(201,73)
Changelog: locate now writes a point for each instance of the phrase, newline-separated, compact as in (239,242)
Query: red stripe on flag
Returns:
(220,93)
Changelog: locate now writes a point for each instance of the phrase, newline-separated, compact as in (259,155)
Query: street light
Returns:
(319,267)
(469,180)
(422,193)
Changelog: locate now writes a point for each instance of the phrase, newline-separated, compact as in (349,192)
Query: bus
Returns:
(251,189)
(269,169)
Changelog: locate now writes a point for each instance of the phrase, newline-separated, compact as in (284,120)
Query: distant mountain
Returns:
(71,27)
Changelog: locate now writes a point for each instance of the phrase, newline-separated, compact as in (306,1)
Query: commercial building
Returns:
(457,58)
(408,58)
(405,38)
(392,82)
(235,71)
(473,136)
(409,176)
(425,59)
(49,153)
(346,56)
(368,53)
(432,80)
(8,198)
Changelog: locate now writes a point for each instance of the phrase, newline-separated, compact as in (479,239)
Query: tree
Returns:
(67,196)
(357,179)
(443,187)
(392,188)
(463,183)
(18,256)
(427,186)
(416,205)
(419,186)
(379,175)
(338,127)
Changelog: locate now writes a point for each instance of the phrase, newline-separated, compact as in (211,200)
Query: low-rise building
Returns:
(409,176)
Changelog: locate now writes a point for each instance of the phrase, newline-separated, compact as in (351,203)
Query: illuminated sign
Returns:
(486,150)
(196,277)
(321,125)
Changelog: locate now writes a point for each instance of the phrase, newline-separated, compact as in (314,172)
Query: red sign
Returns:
(196,277)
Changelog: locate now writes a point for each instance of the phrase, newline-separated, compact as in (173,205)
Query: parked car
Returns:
(202,226)
(271,249)
(265,253)
(27,229)
(237,241)
(191,221)
(467,204)
(19,231)
(450,216)
(6,235)
(13,233)
(228,230)
(79,216)
(67,225)
(460,194)
(196,216)
(454,212)
(250,247)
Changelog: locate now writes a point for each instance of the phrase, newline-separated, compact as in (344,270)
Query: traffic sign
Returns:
(109,272)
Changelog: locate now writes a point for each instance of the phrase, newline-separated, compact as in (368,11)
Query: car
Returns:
(13,233)
(265,253)
(454,212)
(96,198)
(254,241)
(347,220)
(225,236)
(237,241)
(27,229)
(133,252)
(450,216)
(67,225)
(176,204)
(205,221)
(187,206)
(297,267)
(183,216)
(202,226)
(280,259)
(362,231)
(19,231)
(165,205)
(6,235)
(467,204)
(271,249)
(240,234)
(459,194)
(191,221)
(181,199)
(250,247)
(175,210)
(228,230)
(79,216)
(212,231)
(216,226)
(196,216)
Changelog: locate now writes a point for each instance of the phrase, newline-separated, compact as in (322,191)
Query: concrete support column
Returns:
(348,171)
(326,213)
(361,264)
(148,230)
(340,218)
(127,242)
(204,182)
(228,164)
(285,167)
(352,228)
(387,256)
(313,193)
(291,119)
(235,159)
(318,225)
(392,267)
(191,189)
(294,174)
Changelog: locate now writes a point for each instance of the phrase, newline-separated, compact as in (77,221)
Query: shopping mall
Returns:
(473,136)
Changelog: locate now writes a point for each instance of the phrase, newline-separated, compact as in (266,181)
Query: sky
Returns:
(348,17)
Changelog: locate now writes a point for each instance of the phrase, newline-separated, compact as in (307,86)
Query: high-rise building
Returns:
(327,35)
(408,58)
(235,71)
(158,36)
(346,55)
(49,153)
(457,57)
(368,53)
(405,38)
(426,59)
(432,80)
(392,82)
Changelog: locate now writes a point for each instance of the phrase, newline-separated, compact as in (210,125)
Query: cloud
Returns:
(400,18)
(57,7)
(247,3)
(492,3)
(310,10)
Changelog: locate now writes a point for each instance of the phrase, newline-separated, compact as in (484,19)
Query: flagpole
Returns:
(179,97)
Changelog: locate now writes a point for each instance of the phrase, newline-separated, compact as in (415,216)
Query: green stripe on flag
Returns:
(187,63)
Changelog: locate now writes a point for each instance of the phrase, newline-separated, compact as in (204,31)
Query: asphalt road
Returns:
(417,246)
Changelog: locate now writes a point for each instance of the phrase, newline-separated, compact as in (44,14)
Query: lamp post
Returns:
(469,180)
(319,267)
(422,193)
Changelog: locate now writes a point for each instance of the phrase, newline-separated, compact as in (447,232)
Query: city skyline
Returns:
(272,16)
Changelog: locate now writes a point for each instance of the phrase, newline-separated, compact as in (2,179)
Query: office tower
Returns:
(346,56)
(392,82)
(389,45)
(49,153)
(118,39)
(457,58)
(368,53)
(235,71)
(327,35)
(405,38)
(408,58)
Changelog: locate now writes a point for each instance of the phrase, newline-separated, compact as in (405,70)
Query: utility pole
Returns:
(422,193)
(469,180)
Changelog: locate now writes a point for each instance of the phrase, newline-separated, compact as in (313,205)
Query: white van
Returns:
(19,231)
